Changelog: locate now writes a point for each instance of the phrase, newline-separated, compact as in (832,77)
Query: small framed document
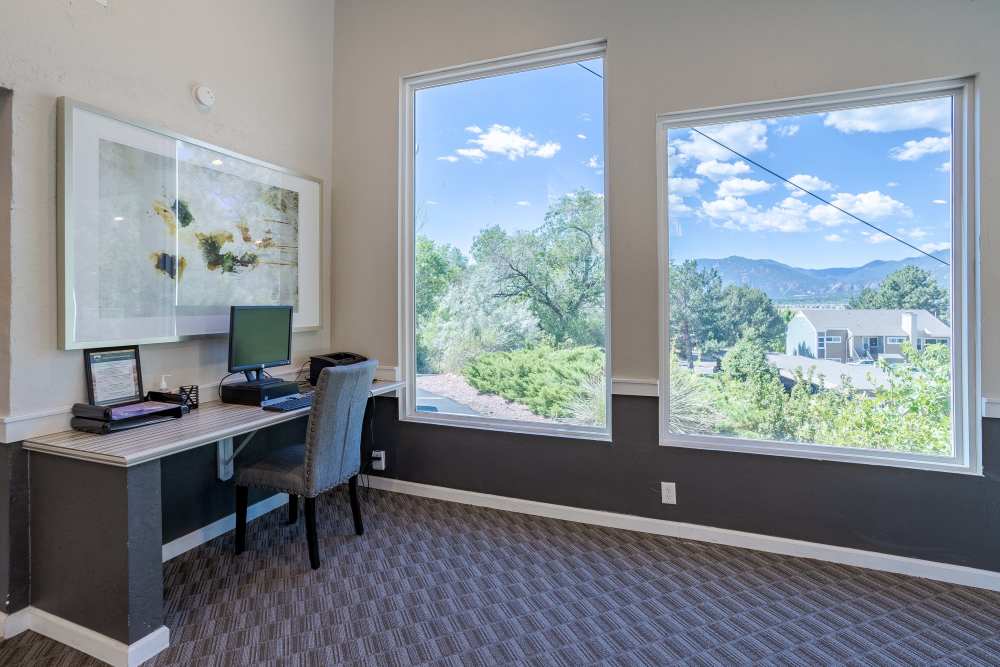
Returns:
(114,376)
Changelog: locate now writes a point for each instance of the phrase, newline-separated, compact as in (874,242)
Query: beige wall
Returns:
(6,136)
(270,64)
(663,56)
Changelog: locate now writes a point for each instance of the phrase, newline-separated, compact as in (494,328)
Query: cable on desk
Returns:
(224,378)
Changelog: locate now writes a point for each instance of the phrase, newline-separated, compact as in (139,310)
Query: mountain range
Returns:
(791,284)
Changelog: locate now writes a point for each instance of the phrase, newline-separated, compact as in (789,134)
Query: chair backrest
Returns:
(333,437)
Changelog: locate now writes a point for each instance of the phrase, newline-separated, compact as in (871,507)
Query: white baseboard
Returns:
(14,624)
(87,641)
(946,572)
(213,530)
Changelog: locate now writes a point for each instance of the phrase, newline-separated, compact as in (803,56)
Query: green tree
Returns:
(558,269)
(471,321)
(746,309)
(695,307)
(692,407)
(437,267)
(908,288)
(753,396)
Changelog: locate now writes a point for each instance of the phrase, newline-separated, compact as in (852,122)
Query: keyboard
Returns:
(291,403)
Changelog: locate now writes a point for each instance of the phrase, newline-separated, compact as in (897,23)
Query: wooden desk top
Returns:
(210,423)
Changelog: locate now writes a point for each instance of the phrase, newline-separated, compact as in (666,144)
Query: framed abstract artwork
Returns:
(160,234)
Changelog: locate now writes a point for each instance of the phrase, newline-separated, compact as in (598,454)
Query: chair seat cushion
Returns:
(282,469)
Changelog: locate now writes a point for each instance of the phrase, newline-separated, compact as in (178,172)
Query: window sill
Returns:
(871,457)
(520,428)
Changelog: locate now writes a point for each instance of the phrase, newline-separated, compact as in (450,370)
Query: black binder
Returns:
(100,419)
(102,427)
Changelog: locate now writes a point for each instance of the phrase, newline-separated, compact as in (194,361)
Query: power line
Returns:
(796,185)
(599,76)
(816,196)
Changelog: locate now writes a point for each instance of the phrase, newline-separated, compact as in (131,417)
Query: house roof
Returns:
(875,322)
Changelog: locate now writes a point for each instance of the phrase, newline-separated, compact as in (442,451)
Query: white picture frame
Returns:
(159,234)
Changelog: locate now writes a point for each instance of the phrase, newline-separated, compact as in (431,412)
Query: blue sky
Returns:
(496,151)
(889,165)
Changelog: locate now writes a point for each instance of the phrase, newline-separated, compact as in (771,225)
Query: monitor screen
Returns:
(259,336)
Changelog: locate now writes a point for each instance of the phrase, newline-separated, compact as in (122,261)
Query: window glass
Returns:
(509,238)
(782,229)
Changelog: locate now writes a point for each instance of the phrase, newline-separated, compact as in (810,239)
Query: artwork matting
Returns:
(160,234)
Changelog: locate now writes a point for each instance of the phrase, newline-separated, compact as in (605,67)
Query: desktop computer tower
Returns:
(256,393)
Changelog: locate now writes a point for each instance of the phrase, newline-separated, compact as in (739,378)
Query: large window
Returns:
(503,242)
(817,278)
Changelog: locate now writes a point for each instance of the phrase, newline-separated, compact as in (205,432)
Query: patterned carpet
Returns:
(441,583)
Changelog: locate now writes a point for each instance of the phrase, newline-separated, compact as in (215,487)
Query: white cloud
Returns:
(677,205)
(787,130)
(933,114)
(938,201)
(741,187)
(719,170)
(935,247)
(584,116)
(914,150)
(721,208)
(581,136)
(736,213)
(431,202)
(788,216)
(547,150)
(472,153)
(507,141)
(868,205)
(892,184)
(913,232)
(945,167)
(876,237)
(524,203)
(809,182)
(593,162)
(745,137)
(683,186)
(833,238)
(448,158)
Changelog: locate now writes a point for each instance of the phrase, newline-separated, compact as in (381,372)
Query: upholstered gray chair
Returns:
(330,456)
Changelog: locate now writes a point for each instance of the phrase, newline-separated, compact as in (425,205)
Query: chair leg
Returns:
(242,493)
(293,509)
(311,536)
(359,527)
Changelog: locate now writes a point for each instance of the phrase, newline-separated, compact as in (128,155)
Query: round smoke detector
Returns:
(204,96)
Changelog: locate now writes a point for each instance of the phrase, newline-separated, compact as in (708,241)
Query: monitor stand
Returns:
(256,389)
(256,377)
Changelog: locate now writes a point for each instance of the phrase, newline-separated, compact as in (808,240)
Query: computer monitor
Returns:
(259,337)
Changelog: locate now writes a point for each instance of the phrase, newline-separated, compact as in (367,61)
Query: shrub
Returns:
(591,406)
(544,379)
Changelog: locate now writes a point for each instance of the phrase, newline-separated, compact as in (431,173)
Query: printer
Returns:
(318,363)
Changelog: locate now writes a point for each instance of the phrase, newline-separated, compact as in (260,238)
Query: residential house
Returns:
(861,334)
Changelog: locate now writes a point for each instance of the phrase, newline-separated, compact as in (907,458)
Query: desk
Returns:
(96,520)
(208,424)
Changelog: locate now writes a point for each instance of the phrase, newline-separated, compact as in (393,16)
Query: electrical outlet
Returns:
(668,493)
(378,459)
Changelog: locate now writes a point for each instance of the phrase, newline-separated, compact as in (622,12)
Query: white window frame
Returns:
(409,86)
(896,340)
(966,392)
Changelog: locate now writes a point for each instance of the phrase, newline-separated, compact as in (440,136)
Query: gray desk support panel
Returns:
(96,545)
(96,520)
